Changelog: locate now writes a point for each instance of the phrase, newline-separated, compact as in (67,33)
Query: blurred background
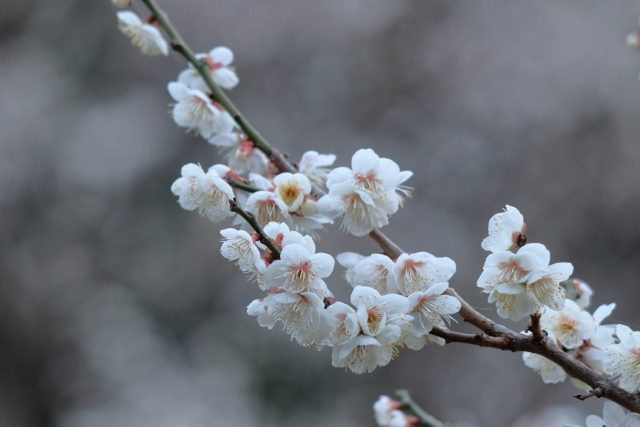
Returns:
(116,307)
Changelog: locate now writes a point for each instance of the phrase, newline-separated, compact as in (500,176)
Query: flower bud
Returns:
(309,207)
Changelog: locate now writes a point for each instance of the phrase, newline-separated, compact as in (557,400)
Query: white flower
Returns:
(430,308)
(380,177)
(549,371)
(194,110)
(623,359)
(578,291)
(398,419)
(376,271)
(506,231)
(145,36)
(267,207)
(218,61)
(344,323)
(300,313)
(570,326)
(543,286)
(188,188)
(292,188)
(261,311)
(614,416)
(349,260)
(505,275)
(415,340)
(240,245)
(384,324)
(360,212)
(216,194)
(382,409)
(314,166)
(121,3)
(603,335)
(418,271)
(298,270)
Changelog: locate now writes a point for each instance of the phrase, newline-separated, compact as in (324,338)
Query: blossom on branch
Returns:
(570,326)
(298,270)
(314,166)
(217,62)
(376,271)
(240,245)
(614,416)
(419,271)
(506,231)
(623,359)
(143,35)
(349,260)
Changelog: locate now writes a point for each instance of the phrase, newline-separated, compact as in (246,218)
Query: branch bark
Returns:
(495,335)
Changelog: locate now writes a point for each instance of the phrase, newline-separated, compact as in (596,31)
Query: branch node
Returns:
(597,392)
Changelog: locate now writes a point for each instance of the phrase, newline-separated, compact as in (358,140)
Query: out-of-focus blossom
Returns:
(217,61)
(143,35)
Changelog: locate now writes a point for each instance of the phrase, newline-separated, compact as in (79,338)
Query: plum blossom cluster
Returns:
(278,211)
(520,283)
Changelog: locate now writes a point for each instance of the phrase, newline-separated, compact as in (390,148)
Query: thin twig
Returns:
(411,406)
(264,239)
(241,185)
(597,392)
(536,329)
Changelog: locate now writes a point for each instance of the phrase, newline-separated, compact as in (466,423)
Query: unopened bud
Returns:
(309,207)
(121,3)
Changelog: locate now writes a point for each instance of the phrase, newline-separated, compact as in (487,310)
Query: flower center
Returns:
(370,183)
(289,192)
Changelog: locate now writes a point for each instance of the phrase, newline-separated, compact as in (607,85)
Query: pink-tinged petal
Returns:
(497,258)
(528,261)
(394,304)
(364,161)
(539,249)
(221,54)
(624,334)
(322,264)
(339,176)
(313,300)
(363,294)
(603,312)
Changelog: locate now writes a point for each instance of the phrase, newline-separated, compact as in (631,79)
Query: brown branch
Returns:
(497,336)
(264,239)
(535,328)
(597,392)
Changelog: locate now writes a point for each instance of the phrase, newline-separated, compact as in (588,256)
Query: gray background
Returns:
(116,307)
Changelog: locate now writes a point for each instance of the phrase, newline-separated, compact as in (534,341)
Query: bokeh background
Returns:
(116,307)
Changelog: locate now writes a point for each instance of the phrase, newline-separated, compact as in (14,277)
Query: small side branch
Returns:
(264,239)
(536,329)
(409,405)
(241,185)
(597,392)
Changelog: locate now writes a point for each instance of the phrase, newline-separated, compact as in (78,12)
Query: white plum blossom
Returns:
(344,323)
(416,340)
(400,419)
(614,416)
(578,291)
(188,188)
(349,260)
(376,271)
(267,207)
(292,189)
(216,193)
(366,194)
(623,359)
(298,270)
(143,35)
(314,166)
(570,326)
(240,151)
(603,334)
(543,286)
(430,308)
(380,177)
(194,110)
(240,245)
(549,371)
(384,324)
(382,409)
(359,211)
(300,313)
(418,271)
(217,61)
(504,279)
(258,309)
(506,231)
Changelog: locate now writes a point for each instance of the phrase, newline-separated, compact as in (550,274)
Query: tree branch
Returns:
(264,239)
(497,336)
